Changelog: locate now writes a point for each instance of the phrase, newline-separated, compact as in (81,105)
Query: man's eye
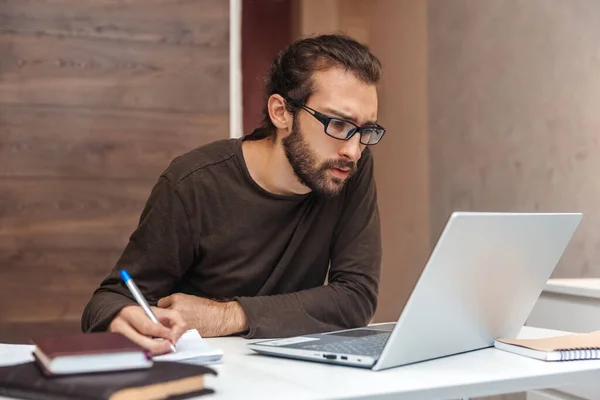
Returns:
(339,126)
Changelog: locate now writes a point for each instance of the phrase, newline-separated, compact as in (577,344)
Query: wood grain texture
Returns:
(58,284)
(99,143)
(75,72)
(203,23)
(96,99)
(22,332)
(69,214)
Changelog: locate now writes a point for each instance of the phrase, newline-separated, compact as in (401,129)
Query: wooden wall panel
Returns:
(96,98)
(85,72)
(190,22)
(50,285)
(67,214)
(59,142)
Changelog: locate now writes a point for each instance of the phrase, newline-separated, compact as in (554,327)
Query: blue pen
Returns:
(140,299)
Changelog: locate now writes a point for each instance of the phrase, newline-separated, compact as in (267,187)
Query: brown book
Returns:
(569,347)
(80,353)
(164,380)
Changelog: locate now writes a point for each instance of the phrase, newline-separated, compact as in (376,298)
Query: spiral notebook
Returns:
(571,347)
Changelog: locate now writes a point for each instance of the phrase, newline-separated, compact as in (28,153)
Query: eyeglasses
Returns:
(342,129)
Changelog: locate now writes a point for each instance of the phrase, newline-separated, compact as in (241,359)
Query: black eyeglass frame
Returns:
(326,120)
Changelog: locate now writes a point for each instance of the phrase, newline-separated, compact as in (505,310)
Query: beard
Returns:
(309,171)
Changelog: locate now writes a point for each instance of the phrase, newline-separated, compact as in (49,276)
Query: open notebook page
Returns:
(11,354)
(193,349)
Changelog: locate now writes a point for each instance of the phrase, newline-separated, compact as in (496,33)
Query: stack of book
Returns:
(99,366)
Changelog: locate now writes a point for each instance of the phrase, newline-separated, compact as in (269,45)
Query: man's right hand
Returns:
(132,322)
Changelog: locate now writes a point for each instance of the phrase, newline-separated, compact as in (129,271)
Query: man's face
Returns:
(320,162)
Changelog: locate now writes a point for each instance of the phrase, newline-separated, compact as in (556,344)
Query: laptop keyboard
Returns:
(369,346)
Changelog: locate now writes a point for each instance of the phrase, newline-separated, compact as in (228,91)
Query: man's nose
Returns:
(352,148)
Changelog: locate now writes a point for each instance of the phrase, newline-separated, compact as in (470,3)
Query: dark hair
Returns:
(291,73)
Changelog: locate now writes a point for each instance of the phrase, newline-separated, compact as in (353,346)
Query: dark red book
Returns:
(164,380)
(81,353)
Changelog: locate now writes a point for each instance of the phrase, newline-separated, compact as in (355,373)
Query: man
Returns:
(239,236)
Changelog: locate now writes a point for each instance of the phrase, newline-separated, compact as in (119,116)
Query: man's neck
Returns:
(270,168)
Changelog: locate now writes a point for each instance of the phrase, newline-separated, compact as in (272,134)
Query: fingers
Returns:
(154,346)
(173,320)
(137,318)
(165,302)
(134,324)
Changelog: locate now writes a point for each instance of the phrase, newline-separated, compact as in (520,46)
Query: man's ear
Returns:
(281,118)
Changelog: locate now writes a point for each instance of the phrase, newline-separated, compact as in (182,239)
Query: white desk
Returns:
(571,305)
(246,375)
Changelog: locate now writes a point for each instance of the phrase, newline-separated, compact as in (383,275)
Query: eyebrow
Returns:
(347,116)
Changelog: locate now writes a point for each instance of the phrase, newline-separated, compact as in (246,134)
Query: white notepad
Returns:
(12,354)
(191,348)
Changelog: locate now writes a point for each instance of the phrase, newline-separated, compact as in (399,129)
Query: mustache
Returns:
(340,164)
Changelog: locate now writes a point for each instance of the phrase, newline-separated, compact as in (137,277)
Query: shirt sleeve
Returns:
(349,298)
(157,255)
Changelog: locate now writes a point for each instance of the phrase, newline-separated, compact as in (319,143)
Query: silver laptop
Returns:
(481,281)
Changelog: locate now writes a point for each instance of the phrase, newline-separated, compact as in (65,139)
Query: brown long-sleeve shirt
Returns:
(208,229)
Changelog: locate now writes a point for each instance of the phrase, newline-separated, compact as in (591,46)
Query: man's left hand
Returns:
(211,318)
